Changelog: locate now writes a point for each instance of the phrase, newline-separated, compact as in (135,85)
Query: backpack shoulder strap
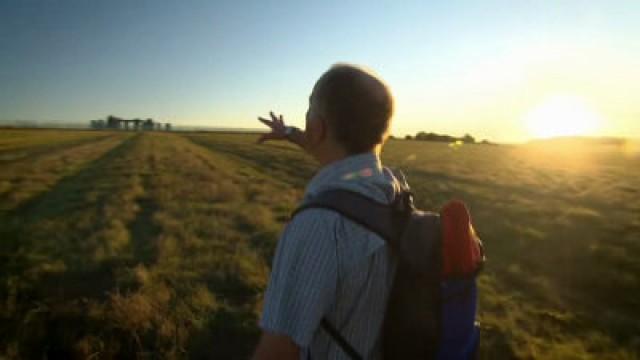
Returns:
(382,219)
(340,340)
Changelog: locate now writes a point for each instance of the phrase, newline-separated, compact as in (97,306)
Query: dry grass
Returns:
(22,180)
(159,245)
(19,144)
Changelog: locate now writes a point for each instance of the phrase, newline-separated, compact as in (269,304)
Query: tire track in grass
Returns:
(23,180)
(29,149)
(143,229)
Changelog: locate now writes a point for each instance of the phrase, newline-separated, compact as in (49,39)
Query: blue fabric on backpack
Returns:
(460,335)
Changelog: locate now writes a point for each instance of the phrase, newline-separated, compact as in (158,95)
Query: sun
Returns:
(562,115)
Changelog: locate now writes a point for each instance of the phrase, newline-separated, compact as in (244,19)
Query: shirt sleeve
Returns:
(304,275)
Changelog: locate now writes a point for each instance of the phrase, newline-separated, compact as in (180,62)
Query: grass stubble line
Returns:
(24,179)
(21,144)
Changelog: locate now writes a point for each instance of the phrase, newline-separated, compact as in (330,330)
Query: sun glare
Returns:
(562,115)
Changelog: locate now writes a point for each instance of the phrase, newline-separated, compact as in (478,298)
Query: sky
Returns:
(506,71)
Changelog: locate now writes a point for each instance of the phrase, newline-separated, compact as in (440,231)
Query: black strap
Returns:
(340,340)
(386,220)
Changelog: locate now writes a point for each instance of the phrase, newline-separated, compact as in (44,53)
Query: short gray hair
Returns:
(357,104)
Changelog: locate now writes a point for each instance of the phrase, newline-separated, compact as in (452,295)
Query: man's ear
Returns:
(323,129)
(317,131)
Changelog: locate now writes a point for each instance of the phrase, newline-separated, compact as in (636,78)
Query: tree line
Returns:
(430,136)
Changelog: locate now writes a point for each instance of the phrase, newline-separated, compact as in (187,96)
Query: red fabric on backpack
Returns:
(461,248)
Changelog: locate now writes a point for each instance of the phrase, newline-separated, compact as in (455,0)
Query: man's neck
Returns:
(336,156)
(330,159)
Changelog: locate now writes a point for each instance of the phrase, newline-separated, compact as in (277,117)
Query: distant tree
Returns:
(468,139)
(408,137)
(422,136)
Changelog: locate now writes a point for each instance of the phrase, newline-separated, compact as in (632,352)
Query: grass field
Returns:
(158,245)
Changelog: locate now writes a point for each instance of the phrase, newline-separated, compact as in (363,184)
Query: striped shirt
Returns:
(328,266)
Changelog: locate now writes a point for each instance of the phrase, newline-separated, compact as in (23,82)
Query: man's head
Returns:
(350,111)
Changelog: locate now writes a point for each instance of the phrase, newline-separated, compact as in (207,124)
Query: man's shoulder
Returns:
(313,216)
(311,224)
(338,225)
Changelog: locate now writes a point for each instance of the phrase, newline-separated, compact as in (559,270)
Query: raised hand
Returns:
(277,128)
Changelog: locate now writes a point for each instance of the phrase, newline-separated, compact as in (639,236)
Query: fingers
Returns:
(266,122)
(277,119)
(277,127)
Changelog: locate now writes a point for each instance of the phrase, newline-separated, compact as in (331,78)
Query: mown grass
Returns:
(16,144)
(561,228)
(159,245)
(158,248)
(22,180)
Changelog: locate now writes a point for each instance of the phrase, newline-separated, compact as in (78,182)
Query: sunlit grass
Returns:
(159,245)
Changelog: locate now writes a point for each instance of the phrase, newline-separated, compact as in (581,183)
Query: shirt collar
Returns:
(366,165)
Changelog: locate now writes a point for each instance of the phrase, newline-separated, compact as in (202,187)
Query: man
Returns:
(325,265)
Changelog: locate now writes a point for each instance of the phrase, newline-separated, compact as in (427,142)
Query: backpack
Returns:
(432,305)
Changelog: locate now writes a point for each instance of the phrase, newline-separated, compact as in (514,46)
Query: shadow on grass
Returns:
(143,230)
(228,334)
(45,288)
(68,194)
(66,197)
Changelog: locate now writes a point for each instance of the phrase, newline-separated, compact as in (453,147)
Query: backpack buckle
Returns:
(404,202)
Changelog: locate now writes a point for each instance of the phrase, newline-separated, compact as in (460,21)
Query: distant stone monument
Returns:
(116,123)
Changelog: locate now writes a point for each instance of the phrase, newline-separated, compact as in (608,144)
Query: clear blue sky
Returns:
(454,66)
